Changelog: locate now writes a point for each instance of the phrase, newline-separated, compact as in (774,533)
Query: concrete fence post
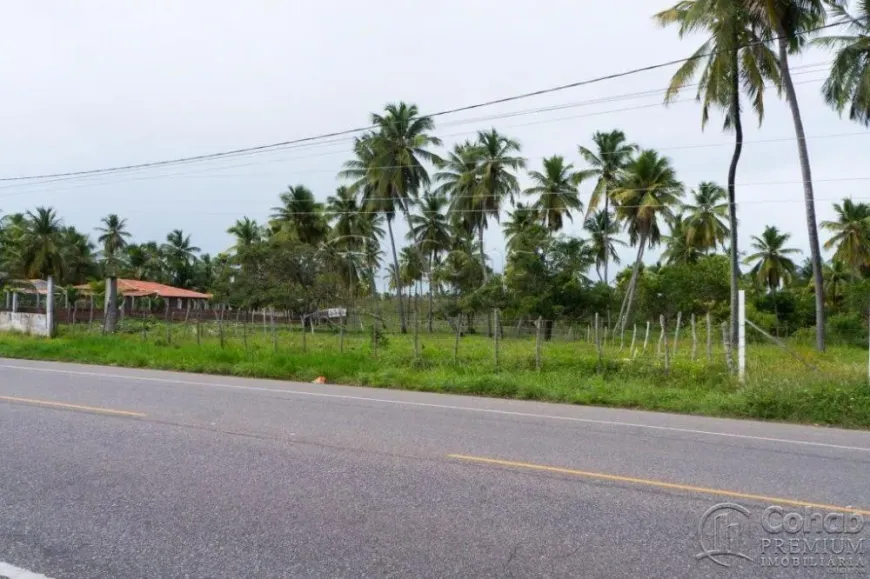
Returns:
(49,307)
(741,335)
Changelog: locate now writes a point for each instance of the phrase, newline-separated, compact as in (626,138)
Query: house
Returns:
(131,289)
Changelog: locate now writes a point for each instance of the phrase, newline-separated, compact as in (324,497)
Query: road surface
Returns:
(109,472)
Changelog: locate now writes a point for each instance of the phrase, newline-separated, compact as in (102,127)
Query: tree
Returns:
(837,277)
(772,266)
(246,231)
(77,254)
(430,232)
(705,226)
(521,221)
(41,246)
(497,160)
(848,84)
(556,190)
(113,236)
(790,21)
(851,234)
(180,255)
(679,249)
(734,60)
(389,169)
(299,216)
(603,228)
(648,192)
(607,163)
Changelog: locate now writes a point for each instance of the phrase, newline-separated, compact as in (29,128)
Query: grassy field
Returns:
(778,387)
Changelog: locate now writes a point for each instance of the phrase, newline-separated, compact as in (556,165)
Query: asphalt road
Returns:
(108,472)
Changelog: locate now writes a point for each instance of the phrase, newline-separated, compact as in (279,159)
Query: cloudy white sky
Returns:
(92,84)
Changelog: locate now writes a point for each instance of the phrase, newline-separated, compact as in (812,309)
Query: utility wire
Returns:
(343,151)
(267,147)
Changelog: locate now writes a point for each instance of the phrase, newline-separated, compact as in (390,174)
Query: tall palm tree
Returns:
(113,237)
(430,232)
(647,194)
(458,180)
(498,161)
(607,162)
(705,225)
(603,229)
(300,216)
(246,231)
(772,266)
(790,21)
(848,84)
(389,167)
(851,234)
(41,244)
(521,221)
(733,61)
(556,190)
(679,249)
(180,255)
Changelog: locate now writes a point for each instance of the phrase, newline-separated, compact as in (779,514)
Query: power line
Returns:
(461,133)
(267,147)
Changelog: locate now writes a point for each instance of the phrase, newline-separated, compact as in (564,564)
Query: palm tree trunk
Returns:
(485,275)
(404,327)
(377,299)
(629,297)
(809,199)
(732,196)
(775,307)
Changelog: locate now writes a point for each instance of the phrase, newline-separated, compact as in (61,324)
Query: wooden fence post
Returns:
(496,327)
(667,353)
(539,325)
(631,350)
(456,339)
(694,339)
(709,339)
(677,333)
(646,336)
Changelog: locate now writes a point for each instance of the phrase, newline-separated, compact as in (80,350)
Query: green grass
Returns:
(777,388)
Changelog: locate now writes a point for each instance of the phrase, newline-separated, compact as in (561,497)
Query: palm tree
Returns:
(430,232)
(734,60)
(389,169)
(246,231)
(603,228)
(848,83)
(521,221)
(180,255)
(705,225)
(300,216)
(113,236)
(459,181)
(556,189)
(497,161)
(851,234)
(649,190)
(837,277)
(679,248)
(77,254)
(41,246)
(772,266)
(607,163)
(790,21)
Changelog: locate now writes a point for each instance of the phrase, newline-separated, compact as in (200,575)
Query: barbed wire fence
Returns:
(682,342)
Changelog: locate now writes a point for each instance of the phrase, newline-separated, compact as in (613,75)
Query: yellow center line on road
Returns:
(65,406)
(655,483)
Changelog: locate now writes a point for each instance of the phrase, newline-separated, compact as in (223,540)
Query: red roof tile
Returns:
(135,287)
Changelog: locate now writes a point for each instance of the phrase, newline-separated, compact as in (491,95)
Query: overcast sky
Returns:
(92,84)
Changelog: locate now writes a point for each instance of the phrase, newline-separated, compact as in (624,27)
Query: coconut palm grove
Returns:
(323,249)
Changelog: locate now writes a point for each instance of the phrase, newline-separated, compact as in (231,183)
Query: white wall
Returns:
(26,323)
